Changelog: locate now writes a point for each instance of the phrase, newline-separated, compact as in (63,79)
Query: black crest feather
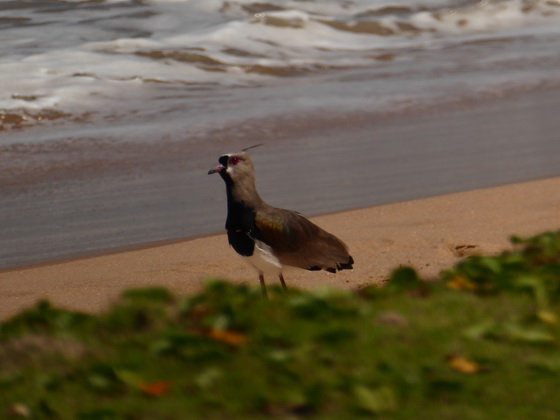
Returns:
(251,147)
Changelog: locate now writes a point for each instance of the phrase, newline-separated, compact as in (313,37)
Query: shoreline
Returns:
(85,196)
(428,234)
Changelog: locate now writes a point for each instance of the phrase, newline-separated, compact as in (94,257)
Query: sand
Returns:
(429,234)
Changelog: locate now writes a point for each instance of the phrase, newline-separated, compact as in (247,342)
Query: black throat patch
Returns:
(241,228)
(240,223)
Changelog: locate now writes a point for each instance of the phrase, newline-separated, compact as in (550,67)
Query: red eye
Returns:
(234,160)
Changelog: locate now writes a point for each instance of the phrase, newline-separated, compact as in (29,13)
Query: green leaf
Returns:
(208,377)
(377,400)
(537,286)
(129,377)
(102,378)
(404,279)
(100,382)
(481,330)
(8,379)
(491,263)
(534,335)
(547,364)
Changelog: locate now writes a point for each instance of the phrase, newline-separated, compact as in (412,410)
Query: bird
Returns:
(270,238)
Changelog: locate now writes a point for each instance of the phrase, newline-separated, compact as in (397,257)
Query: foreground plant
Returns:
(482,342)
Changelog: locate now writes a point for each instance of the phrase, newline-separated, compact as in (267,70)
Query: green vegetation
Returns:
(482,342)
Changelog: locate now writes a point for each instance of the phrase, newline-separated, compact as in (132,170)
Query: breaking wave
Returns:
(68,56)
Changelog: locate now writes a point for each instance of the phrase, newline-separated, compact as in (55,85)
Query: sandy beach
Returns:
(428,234)
(106,137)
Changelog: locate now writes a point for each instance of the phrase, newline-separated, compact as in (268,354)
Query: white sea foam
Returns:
(77,55)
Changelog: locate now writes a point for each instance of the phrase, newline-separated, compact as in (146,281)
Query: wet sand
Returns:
(73,195)
(429,234)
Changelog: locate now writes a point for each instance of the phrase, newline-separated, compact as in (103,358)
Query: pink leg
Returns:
(282,281)
(263,286)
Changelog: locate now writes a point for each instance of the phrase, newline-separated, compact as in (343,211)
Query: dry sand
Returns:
(430,235)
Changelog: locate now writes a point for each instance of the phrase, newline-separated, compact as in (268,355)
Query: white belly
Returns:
(263,260)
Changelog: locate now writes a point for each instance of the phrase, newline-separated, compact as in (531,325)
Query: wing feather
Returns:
(298,242)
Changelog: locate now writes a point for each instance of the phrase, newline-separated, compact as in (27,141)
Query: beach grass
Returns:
(480,342)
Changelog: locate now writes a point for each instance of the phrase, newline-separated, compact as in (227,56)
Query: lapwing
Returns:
(269,238)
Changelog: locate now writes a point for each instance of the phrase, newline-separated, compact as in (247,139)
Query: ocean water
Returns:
(112,63)
(112,111)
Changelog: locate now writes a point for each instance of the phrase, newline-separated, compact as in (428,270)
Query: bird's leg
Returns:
(263,286)
(281,277)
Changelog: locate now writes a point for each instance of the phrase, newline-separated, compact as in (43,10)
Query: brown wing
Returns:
(300,243)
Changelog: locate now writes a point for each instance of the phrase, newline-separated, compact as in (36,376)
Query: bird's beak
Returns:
(218,168)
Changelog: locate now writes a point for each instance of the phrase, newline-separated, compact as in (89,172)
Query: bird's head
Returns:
(235,168)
